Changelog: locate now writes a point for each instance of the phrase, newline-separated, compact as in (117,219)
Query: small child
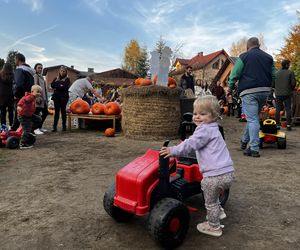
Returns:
(230,104)
(213,158)
(26,116)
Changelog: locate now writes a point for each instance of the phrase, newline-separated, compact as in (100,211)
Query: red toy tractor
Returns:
(11,139)
(157,186)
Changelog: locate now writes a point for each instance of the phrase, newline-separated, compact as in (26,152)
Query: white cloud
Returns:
(21,40)
(291,8)
(84,58)
(36,5)
(97,6)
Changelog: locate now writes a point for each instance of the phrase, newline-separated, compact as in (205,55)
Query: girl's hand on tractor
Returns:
(165,151)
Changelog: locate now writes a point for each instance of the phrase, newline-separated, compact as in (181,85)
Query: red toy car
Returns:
(11,139)
(158,186)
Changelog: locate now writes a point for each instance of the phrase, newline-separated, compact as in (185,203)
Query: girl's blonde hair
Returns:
(36,88)
(208,103)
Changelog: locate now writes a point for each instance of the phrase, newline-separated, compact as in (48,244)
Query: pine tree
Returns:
(160,44)
(11,58)
(143,64)
(2,61)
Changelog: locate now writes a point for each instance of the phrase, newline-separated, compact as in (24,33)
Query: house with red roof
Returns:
(205,67)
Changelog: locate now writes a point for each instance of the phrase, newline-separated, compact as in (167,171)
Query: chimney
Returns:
(200,53)
(72,66)
(90,70)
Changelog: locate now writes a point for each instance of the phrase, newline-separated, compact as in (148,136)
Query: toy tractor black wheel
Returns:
(261,141)
(116,213)
(281,143)
(12,142)
(224,197)
(169,222)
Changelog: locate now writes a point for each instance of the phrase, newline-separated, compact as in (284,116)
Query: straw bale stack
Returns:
(151,112)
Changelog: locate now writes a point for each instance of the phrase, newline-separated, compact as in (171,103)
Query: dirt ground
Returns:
(51,195)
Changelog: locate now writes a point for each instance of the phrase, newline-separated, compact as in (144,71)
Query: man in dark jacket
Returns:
(255,72)
(23,82)
(187,80)
(284,84)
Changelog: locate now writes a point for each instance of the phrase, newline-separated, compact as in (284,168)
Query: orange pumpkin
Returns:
(225,108)
(98,108)
(171,81)
(138,81)
(265,109)
(282,113)
(80,107)
(50,111)
(112,108)
(272,112)
(109,132)
(145,82)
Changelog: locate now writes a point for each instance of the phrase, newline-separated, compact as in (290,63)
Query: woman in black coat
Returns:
(6,93)
(60,96)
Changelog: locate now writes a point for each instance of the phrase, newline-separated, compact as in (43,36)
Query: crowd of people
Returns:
(24,96)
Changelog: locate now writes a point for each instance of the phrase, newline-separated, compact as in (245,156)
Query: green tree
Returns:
(11,58)
(160,44)
(2,61)
(132,55)
(143,64)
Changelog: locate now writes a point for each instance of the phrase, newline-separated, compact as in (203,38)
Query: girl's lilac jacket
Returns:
(212,154)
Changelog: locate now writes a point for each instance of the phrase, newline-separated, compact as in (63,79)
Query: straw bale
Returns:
(151,113)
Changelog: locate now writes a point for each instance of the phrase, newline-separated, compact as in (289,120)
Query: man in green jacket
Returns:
(284,83)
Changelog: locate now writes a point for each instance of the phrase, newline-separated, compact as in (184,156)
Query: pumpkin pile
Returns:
(82,107)
(146,82)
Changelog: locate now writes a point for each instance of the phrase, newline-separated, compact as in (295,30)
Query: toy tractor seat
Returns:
(269,126)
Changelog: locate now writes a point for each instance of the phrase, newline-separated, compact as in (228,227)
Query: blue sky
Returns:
(94,33)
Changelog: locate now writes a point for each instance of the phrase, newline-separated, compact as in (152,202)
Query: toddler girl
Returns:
(213,158)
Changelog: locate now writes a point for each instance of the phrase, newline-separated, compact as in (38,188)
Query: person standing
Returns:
(255,71)
(284,83)
(187,80)
(218,92)
(22,83)
(6,93)
(42,100)
(60,97)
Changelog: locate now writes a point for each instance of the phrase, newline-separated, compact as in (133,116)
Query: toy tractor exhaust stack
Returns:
(163,174)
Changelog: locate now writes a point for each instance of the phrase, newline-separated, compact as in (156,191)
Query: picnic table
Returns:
(113,118)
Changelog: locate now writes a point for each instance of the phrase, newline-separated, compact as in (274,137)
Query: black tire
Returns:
(224,197)
(169,222)
(281,143)
(116,213)
(12,142)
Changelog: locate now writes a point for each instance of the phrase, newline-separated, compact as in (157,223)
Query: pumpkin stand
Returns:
(151,112)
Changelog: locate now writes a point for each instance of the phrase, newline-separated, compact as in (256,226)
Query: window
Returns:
(216,65)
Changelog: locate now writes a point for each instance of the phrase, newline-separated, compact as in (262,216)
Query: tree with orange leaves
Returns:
(291,50)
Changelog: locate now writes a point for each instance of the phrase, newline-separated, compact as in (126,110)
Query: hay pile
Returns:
(151,112)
